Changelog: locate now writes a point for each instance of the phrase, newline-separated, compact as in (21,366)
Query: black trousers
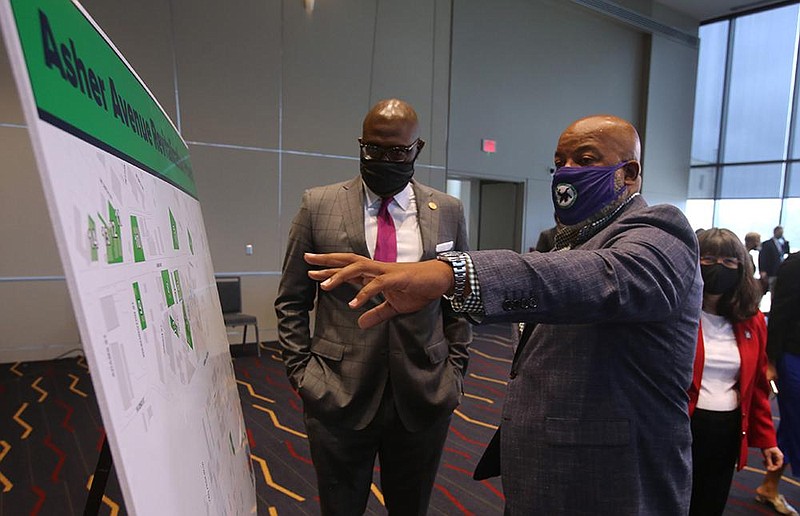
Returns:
(716,441)
(344,459)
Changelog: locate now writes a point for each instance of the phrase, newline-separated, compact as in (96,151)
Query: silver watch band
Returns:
(458,262)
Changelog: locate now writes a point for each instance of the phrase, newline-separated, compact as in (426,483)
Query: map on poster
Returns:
(122,198)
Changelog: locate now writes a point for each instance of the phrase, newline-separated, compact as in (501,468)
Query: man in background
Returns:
(389,390)
(783,351)
(773,252)
(752,242)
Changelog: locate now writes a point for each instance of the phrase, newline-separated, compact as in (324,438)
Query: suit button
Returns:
(507,305)
(525,304)
(532,302)
(512,374)
(516,304)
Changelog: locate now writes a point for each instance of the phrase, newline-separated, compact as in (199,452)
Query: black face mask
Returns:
(718,279)
(386,178)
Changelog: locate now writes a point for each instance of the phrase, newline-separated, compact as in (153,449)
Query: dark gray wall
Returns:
(522,71)
(271,98)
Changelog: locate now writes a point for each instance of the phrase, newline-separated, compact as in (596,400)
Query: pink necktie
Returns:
(386,243)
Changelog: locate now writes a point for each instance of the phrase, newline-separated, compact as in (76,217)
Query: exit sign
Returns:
(488,146)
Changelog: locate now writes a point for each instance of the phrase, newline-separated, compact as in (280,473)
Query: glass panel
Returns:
(790,220)
(760,85)
(700,213)
(461,188)
(751,181)
(702,182)
(744,215)
(454,188)
(708,95)
(793,176)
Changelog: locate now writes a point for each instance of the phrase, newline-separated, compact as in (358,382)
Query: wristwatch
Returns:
(458,262)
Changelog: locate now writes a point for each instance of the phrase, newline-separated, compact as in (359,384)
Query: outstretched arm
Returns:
(406,287)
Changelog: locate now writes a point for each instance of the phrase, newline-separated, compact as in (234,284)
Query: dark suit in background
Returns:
(770,258)
(341,371)
(783,350)
(547,240)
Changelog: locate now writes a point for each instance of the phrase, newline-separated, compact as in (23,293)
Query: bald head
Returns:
(390,123)
(602,140)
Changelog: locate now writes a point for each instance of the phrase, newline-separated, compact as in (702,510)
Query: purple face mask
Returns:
(580,192)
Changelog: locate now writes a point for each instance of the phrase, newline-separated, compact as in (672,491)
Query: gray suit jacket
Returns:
(341,372)
(596,416)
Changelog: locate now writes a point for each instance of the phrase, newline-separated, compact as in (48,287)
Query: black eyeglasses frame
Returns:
(383,152)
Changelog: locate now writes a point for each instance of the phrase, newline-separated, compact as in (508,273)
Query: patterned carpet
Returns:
(51,433)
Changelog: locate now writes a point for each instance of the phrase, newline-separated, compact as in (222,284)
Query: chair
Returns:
(230,297)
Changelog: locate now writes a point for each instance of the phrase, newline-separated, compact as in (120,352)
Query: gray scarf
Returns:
(568,237)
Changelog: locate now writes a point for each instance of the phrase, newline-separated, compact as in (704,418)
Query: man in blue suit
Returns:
(595,419)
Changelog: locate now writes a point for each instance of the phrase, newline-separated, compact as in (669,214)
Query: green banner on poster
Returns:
(82,85)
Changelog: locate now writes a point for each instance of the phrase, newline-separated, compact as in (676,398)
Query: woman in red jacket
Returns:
(729,395)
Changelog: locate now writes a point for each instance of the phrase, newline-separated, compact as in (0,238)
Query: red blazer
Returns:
(757,428)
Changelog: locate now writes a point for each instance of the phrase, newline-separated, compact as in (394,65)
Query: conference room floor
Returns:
(51,433)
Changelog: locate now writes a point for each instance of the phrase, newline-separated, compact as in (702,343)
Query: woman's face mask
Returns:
(718,279)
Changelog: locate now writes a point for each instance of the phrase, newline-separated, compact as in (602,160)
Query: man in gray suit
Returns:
(389,390)
(595,419)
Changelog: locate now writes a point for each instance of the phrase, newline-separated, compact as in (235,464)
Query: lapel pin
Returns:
(432,205)
(747,334)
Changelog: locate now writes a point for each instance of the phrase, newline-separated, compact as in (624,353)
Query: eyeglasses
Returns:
(730,262)
(398,154)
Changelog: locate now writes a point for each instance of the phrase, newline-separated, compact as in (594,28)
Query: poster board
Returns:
(122,199)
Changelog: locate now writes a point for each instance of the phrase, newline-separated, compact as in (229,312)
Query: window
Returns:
(751,181)
(762,69)
(700,213)
(745,164)
(793,188)
(744,215)
(708,101)
(702,182)
(790,220)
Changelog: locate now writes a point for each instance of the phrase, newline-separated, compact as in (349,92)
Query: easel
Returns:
(100,479)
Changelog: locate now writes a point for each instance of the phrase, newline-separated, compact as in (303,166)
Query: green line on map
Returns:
(174,327)
(138,250)
(188,327)
(167,287)
(113,236)
(175,243)
(139,306)
(92,238)
(177,284)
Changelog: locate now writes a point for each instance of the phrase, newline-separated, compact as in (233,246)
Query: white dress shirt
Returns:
(718,387)
(403,210)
